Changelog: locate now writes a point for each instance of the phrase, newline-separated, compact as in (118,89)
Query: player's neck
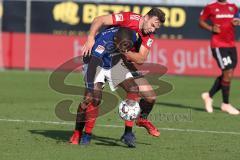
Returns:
(224,2)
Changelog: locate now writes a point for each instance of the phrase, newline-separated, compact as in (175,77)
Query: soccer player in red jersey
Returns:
(145,26)
(224,17)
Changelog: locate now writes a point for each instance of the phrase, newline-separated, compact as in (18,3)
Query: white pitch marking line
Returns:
(116,126)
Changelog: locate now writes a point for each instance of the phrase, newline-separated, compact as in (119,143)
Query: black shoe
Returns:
(129,139)
(86,139)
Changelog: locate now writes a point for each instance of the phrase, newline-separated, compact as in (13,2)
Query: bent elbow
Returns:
(201,23)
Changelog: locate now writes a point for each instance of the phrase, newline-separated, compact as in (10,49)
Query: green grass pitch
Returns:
(197,135)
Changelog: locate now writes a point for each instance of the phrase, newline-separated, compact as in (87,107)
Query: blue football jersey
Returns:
(104,46)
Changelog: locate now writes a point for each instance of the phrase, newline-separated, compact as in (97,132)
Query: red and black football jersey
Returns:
(221,14)
(131,20)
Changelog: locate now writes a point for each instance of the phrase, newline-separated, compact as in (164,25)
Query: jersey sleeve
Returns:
(147,41)
(206,12)
(121,19)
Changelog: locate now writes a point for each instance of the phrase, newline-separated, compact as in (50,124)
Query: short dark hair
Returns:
(125,36)
(158,13)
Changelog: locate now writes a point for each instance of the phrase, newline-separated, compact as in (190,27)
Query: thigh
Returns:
(130,86)
(118,74)
(99,77)
(225,57)
(234,58)
(145,89)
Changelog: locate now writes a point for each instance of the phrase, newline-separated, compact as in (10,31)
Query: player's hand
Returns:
(87,48)
(236,22)
(216,29)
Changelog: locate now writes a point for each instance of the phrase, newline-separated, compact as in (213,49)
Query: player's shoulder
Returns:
(132,15)
(212,4)
(216,4)
(232,4)
(109,31)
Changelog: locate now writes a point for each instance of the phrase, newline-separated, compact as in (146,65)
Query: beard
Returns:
(221,0)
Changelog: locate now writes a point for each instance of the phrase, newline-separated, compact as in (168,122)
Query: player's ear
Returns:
(146,17)
(115,39)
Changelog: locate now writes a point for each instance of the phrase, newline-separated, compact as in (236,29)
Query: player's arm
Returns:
(138,57)
(91,71)
(97,23)
(212,28)
(205,14)
(205,25)
(236,20)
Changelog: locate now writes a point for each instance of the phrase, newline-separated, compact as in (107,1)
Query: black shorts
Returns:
(226,57)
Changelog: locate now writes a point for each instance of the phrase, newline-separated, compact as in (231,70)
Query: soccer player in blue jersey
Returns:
(105,62)
(145,26)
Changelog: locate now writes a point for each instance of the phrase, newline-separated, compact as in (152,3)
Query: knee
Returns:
(96,101)
(133,89)
(227,75)
(82,107)
(151,98)
(87,98)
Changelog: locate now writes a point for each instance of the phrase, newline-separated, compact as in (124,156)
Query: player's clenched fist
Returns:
(236,22)
(216,29)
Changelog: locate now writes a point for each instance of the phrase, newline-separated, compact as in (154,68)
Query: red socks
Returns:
(91,116)
(135,97)
(92,113)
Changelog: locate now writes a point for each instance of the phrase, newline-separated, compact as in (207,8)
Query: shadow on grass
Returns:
(183,106)
(63,137)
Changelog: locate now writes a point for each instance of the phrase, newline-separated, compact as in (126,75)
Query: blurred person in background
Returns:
(224,16)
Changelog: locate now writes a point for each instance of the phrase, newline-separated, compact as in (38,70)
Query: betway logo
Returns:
(224,16)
